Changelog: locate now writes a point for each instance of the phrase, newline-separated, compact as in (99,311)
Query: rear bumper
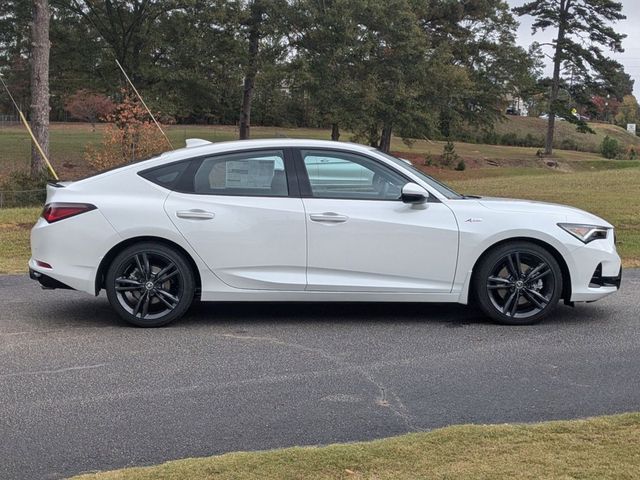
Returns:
(46,282)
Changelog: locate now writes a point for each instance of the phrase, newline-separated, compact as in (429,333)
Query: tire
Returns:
(518,283)
(135,286)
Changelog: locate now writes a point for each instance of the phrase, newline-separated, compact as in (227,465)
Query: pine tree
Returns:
(584,29)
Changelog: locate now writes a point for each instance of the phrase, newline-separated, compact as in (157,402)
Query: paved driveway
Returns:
(81,391)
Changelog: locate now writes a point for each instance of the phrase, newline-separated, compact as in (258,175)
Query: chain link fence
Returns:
(22,198)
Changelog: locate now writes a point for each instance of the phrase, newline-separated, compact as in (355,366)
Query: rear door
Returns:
(242,214)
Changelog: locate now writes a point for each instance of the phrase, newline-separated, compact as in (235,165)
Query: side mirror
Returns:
(414,193)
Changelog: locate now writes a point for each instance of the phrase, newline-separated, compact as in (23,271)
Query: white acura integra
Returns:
(306,220)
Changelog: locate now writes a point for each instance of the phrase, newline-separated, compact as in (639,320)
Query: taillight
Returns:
(59,211)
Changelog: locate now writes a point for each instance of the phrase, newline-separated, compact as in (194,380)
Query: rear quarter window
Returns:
(166,176)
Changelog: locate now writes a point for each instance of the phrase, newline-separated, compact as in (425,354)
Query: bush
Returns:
(610,148)
(461,165)
(131,137)
(490,138)
(569,144)
(20,190)
(510,139)
(449,155)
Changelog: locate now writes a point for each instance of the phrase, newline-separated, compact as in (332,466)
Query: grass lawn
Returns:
(613,194)
(593,449)
(69,141)
(15,224)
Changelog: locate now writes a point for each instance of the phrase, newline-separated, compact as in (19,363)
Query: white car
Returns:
(307,220)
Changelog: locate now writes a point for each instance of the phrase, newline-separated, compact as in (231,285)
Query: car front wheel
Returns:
(518,283)
(150,284)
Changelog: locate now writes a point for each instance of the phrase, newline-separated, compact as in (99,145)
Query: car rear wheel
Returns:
(518,283)
(150,284)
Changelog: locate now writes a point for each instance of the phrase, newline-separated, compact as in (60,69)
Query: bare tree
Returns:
(40,108)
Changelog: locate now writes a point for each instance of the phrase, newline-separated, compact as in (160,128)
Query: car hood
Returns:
(572,214)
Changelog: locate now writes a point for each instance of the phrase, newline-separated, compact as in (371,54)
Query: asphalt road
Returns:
(80,391)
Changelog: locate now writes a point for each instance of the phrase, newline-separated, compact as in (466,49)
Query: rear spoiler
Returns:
(58,184)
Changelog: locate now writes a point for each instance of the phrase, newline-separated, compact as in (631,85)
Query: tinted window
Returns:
(244,174)
(344,175)
(166,176)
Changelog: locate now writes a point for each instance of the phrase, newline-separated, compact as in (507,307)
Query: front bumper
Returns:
(596,271)
(599,281)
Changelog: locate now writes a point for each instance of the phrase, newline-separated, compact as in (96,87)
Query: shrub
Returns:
(510,139)
(632,154)
(19,189)
(490,138)
(610,148)
(449,155)
(461,165)
(569,144)
(131,137)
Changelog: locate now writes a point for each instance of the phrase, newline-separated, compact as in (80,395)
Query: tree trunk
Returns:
(373,136)
(385,138)
(251,72)
(40,84)
(335,132)
(555,85)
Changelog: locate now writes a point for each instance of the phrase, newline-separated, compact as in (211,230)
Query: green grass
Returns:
(611,194)
(593,449)
(68,142)
(15,224)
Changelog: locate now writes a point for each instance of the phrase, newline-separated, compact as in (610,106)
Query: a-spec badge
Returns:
(473,220)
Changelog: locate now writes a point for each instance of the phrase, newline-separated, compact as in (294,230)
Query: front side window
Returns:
(350,176)
(445,190)
(243,174)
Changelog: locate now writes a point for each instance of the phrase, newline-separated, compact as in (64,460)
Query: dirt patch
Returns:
(436,169)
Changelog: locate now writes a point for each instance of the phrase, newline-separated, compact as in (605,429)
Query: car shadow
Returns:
(96,312)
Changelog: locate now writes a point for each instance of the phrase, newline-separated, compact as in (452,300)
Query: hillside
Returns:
(566,138)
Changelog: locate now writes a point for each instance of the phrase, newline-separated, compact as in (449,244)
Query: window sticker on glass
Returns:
(250,173)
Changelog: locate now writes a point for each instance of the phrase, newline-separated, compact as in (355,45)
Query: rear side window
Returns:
(166,176)
(243,174)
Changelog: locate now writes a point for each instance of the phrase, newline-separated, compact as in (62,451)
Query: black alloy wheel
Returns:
(150,284)
(518,283)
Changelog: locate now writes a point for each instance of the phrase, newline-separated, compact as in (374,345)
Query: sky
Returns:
(631,27)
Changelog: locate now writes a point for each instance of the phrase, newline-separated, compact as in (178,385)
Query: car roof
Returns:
(237,145)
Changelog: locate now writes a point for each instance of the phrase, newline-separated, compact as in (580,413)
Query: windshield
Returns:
(432,182)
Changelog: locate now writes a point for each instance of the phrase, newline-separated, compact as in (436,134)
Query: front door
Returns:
(362,237)
(242,217)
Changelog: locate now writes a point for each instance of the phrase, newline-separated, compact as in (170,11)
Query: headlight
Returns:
(585,233)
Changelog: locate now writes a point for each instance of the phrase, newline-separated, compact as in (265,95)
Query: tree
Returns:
(126,27)
(261,22)
(628,112)
(89,106)
(583,31)
(40,47)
